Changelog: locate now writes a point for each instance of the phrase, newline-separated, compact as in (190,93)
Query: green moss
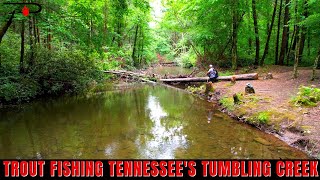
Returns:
(227,102)
(262,117)
(240,111)
(307,96)
(229,84)
(252,98)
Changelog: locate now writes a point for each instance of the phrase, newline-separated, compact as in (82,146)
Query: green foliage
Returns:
(241,97)
(205,26)
(17,89)
(64,71)
(187,59)
(77,40)
(54,73)
(226,73)
(307,96)
(9,55)
(227,102)
(260,118)
(263,117)
(194,89)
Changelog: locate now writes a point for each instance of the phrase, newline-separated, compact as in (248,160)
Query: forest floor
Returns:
(299,126)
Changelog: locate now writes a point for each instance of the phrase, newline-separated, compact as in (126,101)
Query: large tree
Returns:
(285,34)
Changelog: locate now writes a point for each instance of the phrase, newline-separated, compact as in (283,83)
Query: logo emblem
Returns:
(25,11)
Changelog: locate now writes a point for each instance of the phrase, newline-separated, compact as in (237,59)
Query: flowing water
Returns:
(145,121)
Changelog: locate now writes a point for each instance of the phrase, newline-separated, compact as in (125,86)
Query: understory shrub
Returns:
(53,73)
(260,118)
(307,96)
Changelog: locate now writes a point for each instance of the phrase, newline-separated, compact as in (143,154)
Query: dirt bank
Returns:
(299,126)
(270,109)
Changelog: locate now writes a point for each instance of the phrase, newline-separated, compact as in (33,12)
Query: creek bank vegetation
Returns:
(291,114)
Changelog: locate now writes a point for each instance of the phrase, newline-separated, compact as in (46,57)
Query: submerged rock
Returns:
(262,141)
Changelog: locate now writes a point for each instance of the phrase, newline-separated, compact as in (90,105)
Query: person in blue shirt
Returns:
(212,74)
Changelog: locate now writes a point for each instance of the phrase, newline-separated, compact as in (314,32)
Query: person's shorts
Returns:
(212,79)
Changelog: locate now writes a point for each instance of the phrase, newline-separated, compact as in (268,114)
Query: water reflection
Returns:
(209,116)
(163,140)
(145,122)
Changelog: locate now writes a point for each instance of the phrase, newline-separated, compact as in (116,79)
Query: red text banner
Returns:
(158,168)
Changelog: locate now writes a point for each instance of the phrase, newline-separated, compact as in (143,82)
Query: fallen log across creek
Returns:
(253,76)
(141,76)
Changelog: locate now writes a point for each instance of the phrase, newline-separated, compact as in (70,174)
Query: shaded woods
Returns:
(63,48)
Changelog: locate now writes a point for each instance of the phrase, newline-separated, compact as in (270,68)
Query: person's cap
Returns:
(210,65)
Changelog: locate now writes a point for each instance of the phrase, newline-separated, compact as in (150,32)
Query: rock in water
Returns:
(262,141)
(249,89)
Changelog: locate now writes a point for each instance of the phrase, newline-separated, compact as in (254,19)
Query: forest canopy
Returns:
(63,48)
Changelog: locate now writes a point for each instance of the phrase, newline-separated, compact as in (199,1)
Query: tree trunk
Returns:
(309,40)
(303,31)
(141,47)
(119,34)
(278,34)
(105,19)
(249,29)
(38,35)
(296,61)
(266,49)
(295,38)
(230,39)
(31,43)
(256,31)
(134,47)
(292,43)
(234,45)
(316,61)
(34,30)
(21,68)
(6,26)
(284,43)
(49,38)
(91,29)
(234,50)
